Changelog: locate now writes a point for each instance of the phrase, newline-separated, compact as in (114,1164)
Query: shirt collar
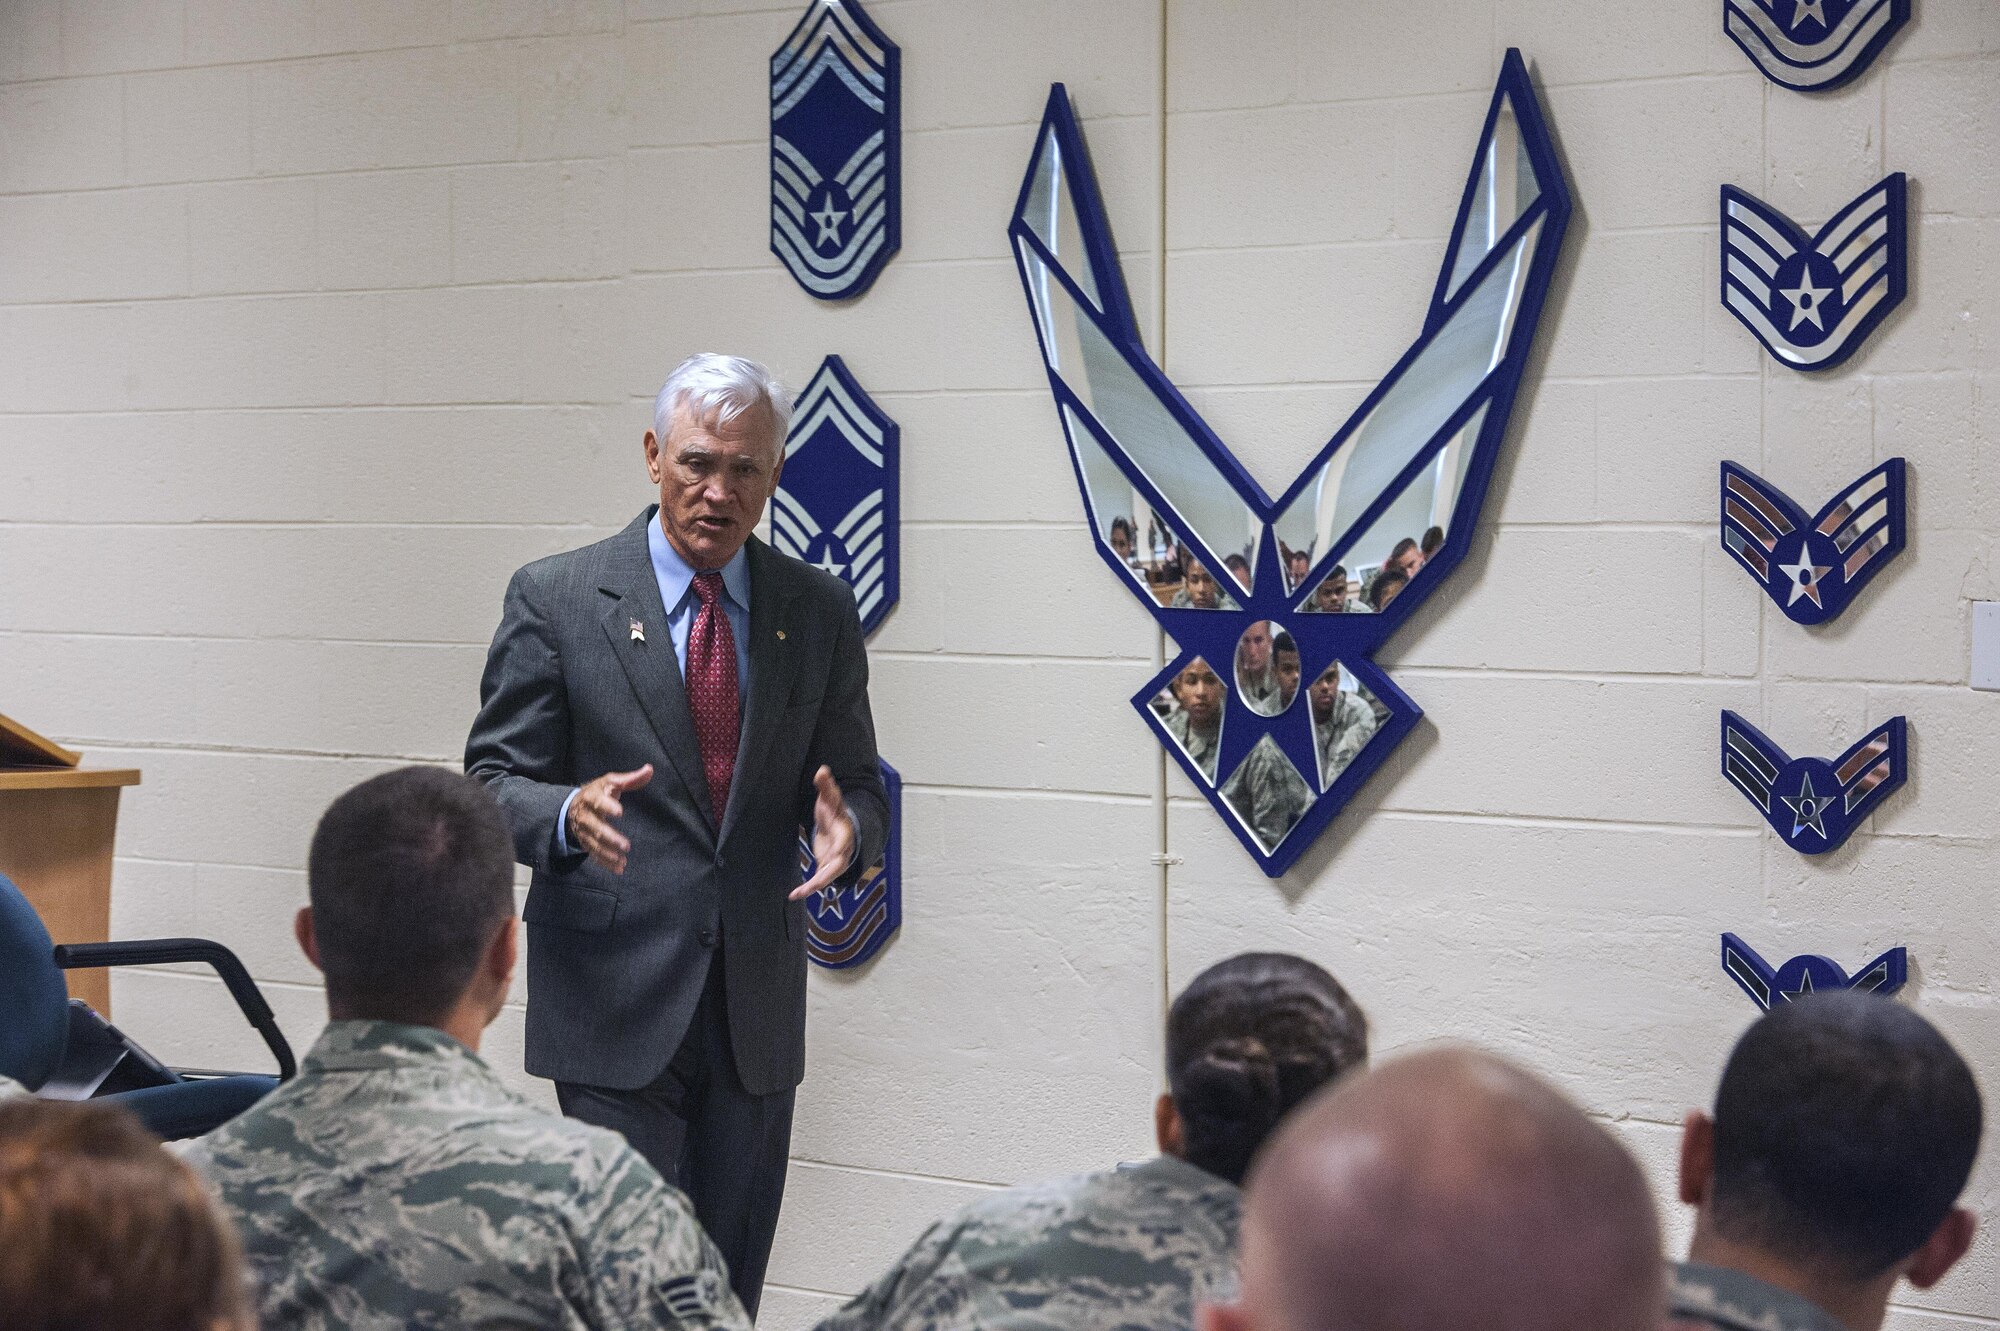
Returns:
(676,575)
(1736,1299)
(370,1046)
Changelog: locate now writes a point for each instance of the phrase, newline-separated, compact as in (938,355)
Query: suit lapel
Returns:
(774,663)
(633,593)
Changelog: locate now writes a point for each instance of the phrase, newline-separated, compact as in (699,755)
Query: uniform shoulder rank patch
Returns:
(1813,45)
(837,506)
(845,926)
(836,150)
(1813,566)
(1274,707)
(1808,974)
(1813,300)
(694,1298)
(1814,803)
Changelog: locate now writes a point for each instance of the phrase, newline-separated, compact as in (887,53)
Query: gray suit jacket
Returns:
(616,963)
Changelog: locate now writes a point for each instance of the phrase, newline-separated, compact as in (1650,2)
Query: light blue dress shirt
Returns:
(676,578)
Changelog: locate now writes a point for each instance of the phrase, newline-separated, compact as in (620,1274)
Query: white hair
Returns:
(717,389)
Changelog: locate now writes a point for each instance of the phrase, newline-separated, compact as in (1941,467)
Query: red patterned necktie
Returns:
(711,689)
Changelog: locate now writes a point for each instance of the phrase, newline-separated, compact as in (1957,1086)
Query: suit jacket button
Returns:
(707,937)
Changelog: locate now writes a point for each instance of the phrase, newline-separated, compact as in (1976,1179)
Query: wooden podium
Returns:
(57,823)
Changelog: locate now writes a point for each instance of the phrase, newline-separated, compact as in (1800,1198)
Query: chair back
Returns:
(34,1001)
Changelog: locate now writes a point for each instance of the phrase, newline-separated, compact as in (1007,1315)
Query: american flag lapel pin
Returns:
(638,631)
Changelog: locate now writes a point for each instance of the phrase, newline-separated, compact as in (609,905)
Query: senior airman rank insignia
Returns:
(1812,567)
(836,506)
(1813,300)
(1808,974)
(845,926)
(1813,45)
(1814,803)
(836,150)
(1274,707)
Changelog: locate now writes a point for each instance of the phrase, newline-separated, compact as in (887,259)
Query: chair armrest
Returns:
(165,951)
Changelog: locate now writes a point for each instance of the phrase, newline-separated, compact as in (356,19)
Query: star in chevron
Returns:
(1807,808)
(1809,9)
(1805,298)
(829,901)
(826,562)
(829,218)
(1805,989)
(1805,576)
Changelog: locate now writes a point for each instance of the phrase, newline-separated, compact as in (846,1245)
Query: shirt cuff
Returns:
(854,828)
(562,822)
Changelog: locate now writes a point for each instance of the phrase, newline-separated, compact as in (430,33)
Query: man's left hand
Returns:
(833,835)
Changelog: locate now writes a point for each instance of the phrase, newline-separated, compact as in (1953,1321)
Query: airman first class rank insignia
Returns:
(1808,974)
(1812,567)
(1814,803)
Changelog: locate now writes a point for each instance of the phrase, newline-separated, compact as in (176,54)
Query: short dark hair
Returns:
(1433,538)
(1339,571)
(1246,1041)
(1130,532)
(1403,547)
(1284,642)
(1386,581)
(1845,1129)
(410,873)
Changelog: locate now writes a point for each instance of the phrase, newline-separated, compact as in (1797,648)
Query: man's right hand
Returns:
(590,826)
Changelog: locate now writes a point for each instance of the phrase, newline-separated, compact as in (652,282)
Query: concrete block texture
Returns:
(320,317)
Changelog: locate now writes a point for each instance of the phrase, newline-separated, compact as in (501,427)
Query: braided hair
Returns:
(1246,1041)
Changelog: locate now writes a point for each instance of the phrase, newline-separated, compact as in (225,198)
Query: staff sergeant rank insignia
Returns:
(1813,566)
(836,150)
(1813,803)
(1813,45)
(1813,300)
(1808,974)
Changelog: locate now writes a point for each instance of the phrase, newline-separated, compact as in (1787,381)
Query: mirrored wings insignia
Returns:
(1812,300)
(1808,974)
(1813,803)
(1813,45)
(1274,707)
(1812,567)
(836,505)
(836,150)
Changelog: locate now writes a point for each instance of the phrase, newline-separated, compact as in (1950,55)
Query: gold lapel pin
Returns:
(781,635)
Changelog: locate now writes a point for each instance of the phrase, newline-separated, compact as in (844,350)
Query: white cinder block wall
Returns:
(317,317)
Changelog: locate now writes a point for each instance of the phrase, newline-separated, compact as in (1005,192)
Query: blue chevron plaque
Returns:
(845,926)
(836,150)
(1814,804)
(1813,566)
(836,506)
(1274,707)
(1813,45)
(1813,300)
(1810,974)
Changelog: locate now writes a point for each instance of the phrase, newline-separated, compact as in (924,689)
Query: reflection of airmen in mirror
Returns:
(1343,721)
(1267,793)
(1192,710)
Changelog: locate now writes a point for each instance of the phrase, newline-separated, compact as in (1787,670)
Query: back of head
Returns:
(410,873)
(1248,1040)
(1845,1128)
(1446,1190)
(102,1230)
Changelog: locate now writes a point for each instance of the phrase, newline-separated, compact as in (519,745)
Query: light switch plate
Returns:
(1986,645)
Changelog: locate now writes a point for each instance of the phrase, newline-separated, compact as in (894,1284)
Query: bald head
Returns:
(1447,1189)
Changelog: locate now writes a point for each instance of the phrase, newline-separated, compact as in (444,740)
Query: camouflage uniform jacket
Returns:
(1347,728)
(1701,1298)
(395,1182)
(1132,1249)
(1200,744)
(1268,793)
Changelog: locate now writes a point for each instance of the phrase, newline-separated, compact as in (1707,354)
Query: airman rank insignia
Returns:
(836,506)
(1813,300)
(1808,974)
(1814,803)
(1812,567)
(836,150)
(1813,45)
(845,926)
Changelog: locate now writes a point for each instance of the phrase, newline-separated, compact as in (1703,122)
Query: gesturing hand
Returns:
(833,835)
(590,814)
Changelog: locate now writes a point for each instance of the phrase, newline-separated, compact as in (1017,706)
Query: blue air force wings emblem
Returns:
(1274,707)
(1814,803)
(836,506)
(1813,45)
(1813,566)
(1812,300)
(845,926)
(836,150)
(1809,974)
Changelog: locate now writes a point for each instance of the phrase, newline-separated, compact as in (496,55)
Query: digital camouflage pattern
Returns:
(1703,1297)
(395,1182)
(1129,1250)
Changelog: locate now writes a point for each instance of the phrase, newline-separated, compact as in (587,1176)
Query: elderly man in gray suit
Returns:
(662,713)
